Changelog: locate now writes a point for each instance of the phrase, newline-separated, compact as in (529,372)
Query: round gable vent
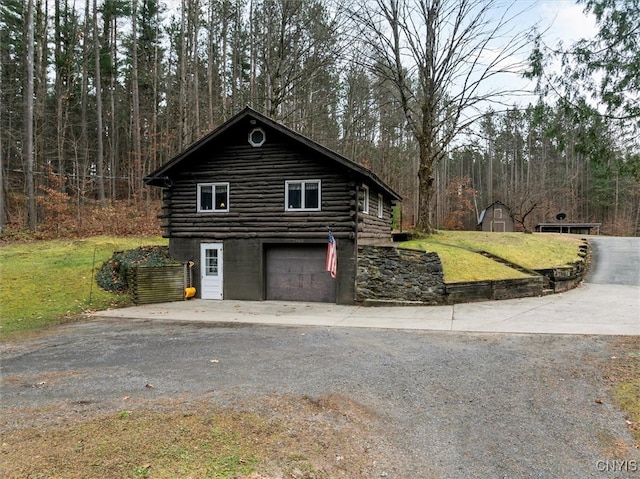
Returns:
(257,137)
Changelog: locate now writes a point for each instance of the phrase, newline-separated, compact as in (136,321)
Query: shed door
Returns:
(499,226)
(211,270)
(297,273)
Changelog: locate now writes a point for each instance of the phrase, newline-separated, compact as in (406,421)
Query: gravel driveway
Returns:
(455,405)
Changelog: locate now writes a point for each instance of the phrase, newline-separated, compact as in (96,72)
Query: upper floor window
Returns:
(213,197)
(380,206)
(365,199)
(257,137)
(302,195)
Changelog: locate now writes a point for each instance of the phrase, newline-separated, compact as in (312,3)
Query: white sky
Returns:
(559,21)
(565,19)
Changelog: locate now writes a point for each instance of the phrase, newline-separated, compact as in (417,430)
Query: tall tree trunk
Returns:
(59,93)
(135,99)
(113,130)
(211,71)
(182,100)
(194,23)
(40,94)
(99,128)
(84,99)
(28,117)
(223,58)
(153,157)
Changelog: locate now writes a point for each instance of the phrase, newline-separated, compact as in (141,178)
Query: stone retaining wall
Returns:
(564,278)
(568,277)
(387,275)
(492,290)
(390,276)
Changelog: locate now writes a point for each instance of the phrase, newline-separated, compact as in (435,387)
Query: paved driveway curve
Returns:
(607,303)
(615,261)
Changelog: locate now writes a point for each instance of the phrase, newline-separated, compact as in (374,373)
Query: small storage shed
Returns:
(252,204)
(496,217)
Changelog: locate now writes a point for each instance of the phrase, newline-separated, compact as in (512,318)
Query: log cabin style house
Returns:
(252,203)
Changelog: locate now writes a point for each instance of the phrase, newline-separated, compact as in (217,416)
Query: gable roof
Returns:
(483,212)
(158,177)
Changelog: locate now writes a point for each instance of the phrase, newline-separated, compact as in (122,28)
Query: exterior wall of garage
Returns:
(244,270)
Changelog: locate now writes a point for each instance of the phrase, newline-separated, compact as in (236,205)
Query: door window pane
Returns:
(211,256)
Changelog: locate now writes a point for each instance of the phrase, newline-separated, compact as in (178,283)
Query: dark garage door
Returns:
(297,273)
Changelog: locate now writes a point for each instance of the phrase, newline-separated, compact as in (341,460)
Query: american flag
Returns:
(332,256)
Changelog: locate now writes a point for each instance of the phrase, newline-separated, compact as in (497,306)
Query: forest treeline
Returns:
(119,87)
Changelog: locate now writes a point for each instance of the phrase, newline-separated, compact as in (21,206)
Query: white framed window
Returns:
(380,206)
(213,197)
(365,199)
(302,195)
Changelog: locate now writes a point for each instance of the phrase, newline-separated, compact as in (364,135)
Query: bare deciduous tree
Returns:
(444,60)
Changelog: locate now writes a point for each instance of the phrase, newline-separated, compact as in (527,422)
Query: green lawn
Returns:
(46,282)
(531,251)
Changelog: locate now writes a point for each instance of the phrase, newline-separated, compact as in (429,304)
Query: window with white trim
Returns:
(365,199)
(257,137)
(380,206)
(213,197)
(302,195)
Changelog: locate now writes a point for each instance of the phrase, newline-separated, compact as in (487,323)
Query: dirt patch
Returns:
(41,379)
(263,438)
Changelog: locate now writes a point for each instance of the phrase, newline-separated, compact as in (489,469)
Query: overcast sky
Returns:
(566,20)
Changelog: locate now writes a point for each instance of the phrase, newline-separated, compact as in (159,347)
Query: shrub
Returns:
(112,276)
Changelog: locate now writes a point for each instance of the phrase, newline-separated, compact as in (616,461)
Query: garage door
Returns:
(297,273)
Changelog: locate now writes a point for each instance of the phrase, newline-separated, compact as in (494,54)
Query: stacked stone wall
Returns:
(390,275)
(387,275)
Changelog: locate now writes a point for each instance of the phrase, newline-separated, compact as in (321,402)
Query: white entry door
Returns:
(211,270)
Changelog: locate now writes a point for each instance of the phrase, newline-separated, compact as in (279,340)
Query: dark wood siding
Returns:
(369,225)
(256,178)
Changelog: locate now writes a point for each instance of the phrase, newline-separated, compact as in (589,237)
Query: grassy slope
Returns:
(45,282)
(534,251)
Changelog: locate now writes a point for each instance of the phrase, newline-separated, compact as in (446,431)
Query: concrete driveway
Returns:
(607,303)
